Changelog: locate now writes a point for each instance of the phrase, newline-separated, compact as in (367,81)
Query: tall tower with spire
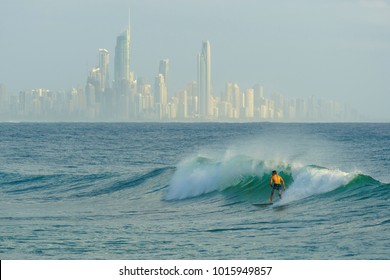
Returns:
(122,99)
(122,56)
(204,81)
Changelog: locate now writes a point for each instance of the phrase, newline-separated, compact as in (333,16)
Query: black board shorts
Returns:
(277,187)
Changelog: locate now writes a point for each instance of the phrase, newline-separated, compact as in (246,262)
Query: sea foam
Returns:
(312,180)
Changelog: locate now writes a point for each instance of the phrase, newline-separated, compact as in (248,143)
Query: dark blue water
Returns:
(186,191)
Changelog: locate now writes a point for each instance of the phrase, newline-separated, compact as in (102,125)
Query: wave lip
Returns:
(193,177)
(200,175)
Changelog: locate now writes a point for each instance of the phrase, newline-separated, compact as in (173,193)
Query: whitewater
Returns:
(186,191)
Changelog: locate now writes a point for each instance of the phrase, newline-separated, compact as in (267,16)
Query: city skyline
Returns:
(132,99)
(356,78)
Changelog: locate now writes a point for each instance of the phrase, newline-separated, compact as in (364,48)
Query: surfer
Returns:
(276,183)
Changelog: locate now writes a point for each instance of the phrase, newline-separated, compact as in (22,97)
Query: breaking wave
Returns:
(246,178)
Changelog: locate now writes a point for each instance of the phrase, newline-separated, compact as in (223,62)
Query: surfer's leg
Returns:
(272,195)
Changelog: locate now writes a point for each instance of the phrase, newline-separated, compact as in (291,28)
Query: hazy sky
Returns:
(335,49)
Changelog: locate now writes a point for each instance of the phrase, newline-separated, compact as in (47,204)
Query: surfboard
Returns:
(262,204)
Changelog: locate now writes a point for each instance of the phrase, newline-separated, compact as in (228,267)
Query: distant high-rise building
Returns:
(249,103)
(122,57)
(3,100)
(103,65)
(204,81)
(259,94)
(160,96)
(237,101)
(94,77)
(160,90)
(123,101)
(164,70)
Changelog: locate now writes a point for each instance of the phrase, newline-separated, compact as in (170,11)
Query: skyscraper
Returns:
(160,90)
(122,57)
(160,96)
(249,103)
(103,65)
(122,100)
(204,81)
(164,70)
(4,104)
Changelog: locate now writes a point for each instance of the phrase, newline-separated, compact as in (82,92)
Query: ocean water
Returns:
(186,191)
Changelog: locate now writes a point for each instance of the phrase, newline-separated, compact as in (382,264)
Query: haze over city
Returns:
(332,50)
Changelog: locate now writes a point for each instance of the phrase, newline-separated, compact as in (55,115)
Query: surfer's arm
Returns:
(284,186)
